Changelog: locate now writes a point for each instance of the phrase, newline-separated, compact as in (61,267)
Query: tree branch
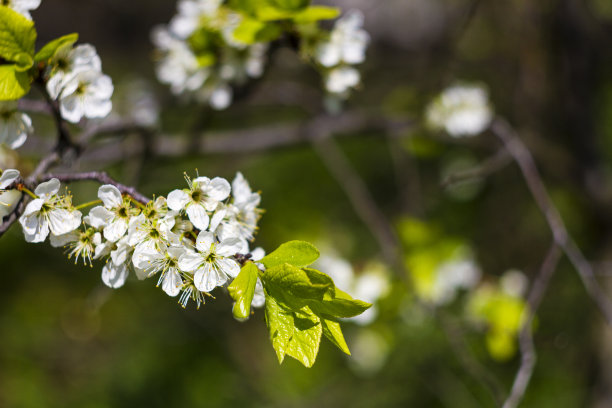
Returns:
(100,177)
(528,353)
(524,160)
(490,165)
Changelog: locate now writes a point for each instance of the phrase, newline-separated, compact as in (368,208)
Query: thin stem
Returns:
(27,191)
(528,353)
(136,202)
(522,156)
(88,204)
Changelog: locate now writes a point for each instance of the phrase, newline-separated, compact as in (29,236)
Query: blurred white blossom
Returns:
(461,110)
(15,126)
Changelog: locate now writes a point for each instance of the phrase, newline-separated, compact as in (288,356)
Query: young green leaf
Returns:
(296,253)
(292,5)
(293,286)
(242,289)
(280,323)
(251,31)
(315,13)
(304,344)
(48,50)
(342,305)
(13,83)
(17,37)
(333,332)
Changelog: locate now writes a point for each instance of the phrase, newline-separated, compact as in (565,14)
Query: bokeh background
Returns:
(68,341)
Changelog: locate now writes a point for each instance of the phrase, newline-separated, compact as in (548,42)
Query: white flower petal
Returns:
(114,276)
(190,261)
(198,216)
(115,230)
(99,217)
(8,177)
(205,241)
(207,278)
(218,189)
(230,247)
(229,267)
(58,241)
(178,199)
(62,221)
(48,188)
(110,196)
(172,282)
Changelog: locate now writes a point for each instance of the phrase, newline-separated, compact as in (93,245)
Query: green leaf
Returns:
(304,344)
(333,332)
(296,253)
(280,323)
(48,50)
(293,286)
(13,83)
(292,5)
(251,31)
(242,290)
(17,37)
(315,13)
(340,306)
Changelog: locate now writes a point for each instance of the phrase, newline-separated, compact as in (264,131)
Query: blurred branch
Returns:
(521,155)
(471,365)
(489,166)
(528,353)
(362,201)
(260,139)
(34,106)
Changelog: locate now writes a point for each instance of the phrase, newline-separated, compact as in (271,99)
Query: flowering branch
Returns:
(100,177)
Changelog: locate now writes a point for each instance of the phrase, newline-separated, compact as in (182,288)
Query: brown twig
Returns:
(528,353)
(359,197)
(490,165)
(522,156)
(100,177)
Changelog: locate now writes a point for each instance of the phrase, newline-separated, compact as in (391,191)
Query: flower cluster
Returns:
(345,47)
(199,56)
(75,80)
(462,110)
(193,241)
(15,126)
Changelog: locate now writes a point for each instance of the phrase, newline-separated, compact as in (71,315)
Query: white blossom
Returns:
(48,213)
(15,126)
(114,276)
(242,214)
(177,66)
(461,110)
(114,216)
(514,283)
(67,61)
(203,195)
(341,80)
(347,43)
(259,296)
(85,94)
(165,261)
(212,263)
(8,198)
